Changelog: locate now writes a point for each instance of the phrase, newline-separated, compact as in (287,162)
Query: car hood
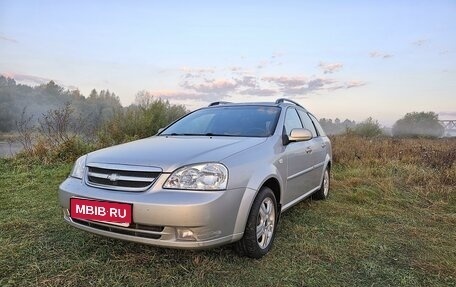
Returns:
(171,152)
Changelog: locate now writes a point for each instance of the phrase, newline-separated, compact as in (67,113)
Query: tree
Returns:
(139,120)
(368,128)
(336,127)
(93,94)
(14,97)
(418,124)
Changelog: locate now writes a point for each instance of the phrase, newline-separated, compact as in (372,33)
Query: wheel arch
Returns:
(274,185)
(271,181)
(327,164)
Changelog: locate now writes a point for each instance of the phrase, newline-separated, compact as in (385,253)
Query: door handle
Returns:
(308,150)
(323,145)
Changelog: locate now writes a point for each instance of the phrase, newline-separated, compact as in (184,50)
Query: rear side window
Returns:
(292,121)
(320,130)
(307,123)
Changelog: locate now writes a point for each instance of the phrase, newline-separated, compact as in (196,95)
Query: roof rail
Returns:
(287,100)
(218,103)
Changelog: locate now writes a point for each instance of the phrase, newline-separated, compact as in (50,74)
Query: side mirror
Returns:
(298,135)
(160,130)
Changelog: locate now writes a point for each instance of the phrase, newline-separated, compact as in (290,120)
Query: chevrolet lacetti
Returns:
(221,174)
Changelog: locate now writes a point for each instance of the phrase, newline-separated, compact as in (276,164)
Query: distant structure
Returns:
(450,127)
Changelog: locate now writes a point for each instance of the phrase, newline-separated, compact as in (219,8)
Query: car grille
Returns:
(138,230)
(121,177)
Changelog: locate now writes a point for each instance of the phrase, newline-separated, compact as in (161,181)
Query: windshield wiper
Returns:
(183,134)
(206,134)
(221,135)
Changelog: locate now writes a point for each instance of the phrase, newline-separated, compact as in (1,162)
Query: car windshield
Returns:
(239,121)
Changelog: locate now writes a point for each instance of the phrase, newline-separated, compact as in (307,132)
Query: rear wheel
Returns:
(261,224)
(323,192)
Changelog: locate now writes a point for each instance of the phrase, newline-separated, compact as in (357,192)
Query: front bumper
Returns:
(160,216)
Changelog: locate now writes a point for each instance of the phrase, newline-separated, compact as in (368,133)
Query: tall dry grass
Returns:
(428,165)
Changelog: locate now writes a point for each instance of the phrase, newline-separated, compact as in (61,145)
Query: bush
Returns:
(143,119)
(422,124)
(61,136)
(66,151)
(367,128)
(58,137)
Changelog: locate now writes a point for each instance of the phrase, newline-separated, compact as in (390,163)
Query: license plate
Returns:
(104,211)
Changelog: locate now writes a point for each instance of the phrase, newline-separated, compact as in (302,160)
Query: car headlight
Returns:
(78,168)
(205,176)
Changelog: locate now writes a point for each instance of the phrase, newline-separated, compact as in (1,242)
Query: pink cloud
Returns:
(211,86)
(330,68)
(377,54)
(287,81)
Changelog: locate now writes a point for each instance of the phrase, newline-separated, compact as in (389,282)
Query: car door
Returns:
(323,140)
(317,152)
(297,153)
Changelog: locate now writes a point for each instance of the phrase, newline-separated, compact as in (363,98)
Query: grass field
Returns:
(390,221)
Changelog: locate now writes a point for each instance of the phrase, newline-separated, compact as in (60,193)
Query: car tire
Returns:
(323,192)
(261,226)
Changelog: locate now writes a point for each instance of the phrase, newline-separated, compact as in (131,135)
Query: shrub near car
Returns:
(218,175)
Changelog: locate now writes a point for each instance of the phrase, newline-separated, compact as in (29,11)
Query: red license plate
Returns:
(106,211)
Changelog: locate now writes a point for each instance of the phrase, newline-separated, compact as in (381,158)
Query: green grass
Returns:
(375,230)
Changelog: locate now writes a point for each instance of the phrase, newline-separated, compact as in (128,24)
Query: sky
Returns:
(344,59)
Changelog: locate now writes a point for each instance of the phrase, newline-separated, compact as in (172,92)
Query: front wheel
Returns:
(261,224)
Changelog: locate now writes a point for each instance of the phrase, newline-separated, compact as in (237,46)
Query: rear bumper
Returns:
(160,216)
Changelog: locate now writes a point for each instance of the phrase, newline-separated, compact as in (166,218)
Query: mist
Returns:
(22,102)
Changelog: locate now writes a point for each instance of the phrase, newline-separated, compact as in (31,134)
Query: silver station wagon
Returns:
(221,174)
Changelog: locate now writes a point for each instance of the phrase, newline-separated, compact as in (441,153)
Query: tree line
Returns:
(18,99)
(415,124)
(101,114)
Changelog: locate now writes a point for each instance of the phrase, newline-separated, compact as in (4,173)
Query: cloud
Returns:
(294,86)
(189,73)
(285,81)
(330,68)
(420,42)
(347,85)
(7,39)
(220,86)
(182,95)
(310,86)
(377,54)
(235,69)
(26,78)
(35,80)
(354,84)
(203,84)
(259,92)
(298,85)
(246,81)
(197,70)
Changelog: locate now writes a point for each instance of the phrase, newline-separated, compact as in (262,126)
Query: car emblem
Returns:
(113,177)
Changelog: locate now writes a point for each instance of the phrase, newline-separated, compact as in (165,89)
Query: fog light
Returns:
(186,234)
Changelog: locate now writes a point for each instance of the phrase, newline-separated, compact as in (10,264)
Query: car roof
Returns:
(278,103)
